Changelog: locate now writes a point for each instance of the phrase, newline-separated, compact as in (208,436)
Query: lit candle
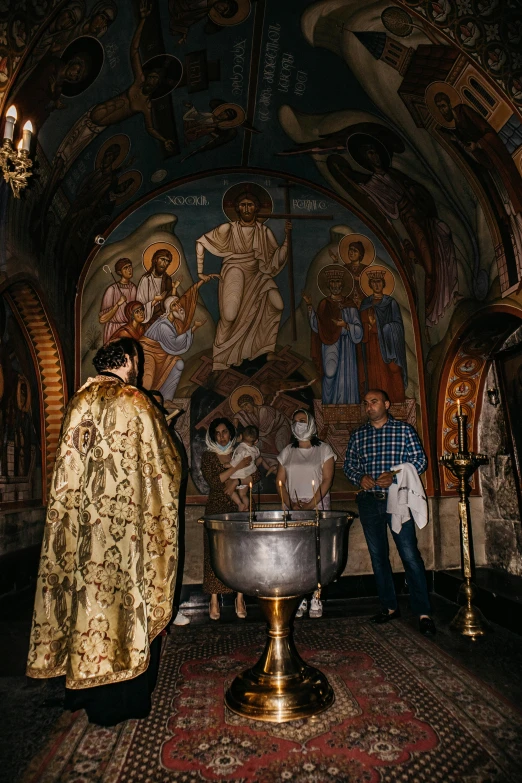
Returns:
(281,494)
(10,120)
(26,135)
(250,498)
(458,407)
(313,496)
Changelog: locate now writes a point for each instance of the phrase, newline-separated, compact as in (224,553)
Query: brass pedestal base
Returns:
(469,621)
(280,686)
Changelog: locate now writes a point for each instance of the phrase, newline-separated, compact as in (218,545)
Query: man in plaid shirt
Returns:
(372,450)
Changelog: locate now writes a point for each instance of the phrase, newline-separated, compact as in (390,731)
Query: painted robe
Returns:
(110,548)
(250,305)
(150,286)
(162,346)
(338,366)
(384,347)
(111,296)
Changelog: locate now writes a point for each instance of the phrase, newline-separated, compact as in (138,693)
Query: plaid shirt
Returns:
(372,451)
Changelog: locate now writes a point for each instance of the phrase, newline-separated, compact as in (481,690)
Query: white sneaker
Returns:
(302,608)
(181,619)
(316,608)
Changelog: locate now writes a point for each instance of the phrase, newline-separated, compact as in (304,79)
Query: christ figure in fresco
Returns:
(250,305)
(384,344)
(336,330)
(137,99)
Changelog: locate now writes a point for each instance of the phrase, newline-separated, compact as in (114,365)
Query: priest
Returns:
(110,548)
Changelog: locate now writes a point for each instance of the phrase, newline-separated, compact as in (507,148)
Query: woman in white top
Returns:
(304,460)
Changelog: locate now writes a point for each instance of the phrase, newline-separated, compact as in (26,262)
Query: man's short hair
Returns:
(251,431)
(383,394)
(120,263)
(114,354)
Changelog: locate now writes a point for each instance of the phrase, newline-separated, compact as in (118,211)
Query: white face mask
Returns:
(299,428)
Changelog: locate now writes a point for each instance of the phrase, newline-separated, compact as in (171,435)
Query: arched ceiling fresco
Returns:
(408,114)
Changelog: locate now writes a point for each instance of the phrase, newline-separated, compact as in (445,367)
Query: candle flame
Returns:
(11,112)
(28,126)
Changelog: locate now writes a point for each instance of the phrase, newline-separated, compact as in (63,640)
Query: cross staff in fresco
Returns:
(135,100)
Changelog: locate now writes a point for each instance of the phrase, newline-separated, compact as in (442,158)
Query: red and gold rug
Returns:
(404,711)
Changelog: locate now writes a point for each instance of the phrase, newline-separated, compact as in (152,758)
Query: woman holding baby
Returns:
(305,476)
(224,496)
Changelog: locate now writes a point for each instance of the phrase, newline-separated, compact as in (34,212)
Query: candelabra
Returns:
(15,163)
(469,620)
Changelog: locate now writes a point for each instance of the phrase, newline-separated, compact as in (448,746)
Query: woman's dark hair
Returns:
(215,424)
(314,440)
(114,355)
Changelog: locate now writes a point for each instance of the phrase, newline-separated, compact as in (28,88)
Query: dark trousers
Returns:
(107,705)
(375,522)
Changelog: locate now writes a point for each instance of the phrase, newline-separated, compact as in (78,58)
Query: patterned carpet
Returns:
(404,711)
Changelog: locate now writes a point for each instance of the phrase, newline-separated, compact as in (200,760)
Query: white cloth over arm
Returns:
(406,498)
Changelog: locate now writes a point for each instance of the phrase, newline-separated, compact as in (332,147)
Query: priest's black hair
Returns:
(114,354)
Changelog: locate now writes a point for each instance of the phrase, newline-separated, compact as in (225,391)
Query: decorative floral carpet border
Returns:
(404,711)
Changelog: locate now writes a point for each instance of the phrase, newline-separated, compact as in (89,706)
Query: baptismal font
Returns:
(278,556)
(469,620)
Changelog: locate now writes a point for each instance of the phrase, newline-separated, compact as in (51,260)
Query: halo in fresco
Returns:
(123,141)
(378,271)
(335,270)
(238,119)
(252,391)
(90,51)
(242,12)
(151,249)
(429,96)
(263,196)
(134,180)
(350,239)
(358,140)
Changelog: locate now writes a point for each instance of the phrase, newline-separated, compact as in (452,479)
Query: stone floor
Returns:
(31,707)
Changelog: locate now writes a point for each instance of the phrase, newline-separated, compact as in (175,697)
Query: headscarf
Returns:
(130,307)
(311,428)
(216,448)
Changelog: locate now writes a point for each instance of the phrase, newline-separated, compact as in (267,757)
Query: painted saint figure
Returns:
(171,335)
(250,305)
(133,328)
(384,344)
(137,99)
(336,330)
(116,296)
(155,285)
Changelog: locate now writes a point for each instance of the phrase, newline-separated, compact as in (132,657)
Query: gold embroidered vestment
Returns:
(110,548)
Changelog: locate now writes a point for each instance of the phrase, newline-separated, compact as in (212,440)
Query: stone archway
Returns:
(47,355)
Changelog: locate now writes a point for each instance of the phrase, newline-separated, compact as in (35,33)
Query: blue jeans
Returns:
(375,520)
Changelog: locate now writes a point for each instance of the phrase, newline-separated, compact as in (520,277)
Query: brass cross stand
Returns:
(469,621)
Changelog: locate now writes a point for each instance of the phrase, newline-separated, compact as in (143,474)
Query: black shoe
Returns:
(427,626)
(385,616)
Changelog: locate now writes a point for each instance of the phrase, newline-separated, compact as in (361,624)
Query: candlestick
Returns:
(26,135)
(315,499)
(250,498)
(469,620)
(10,120)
